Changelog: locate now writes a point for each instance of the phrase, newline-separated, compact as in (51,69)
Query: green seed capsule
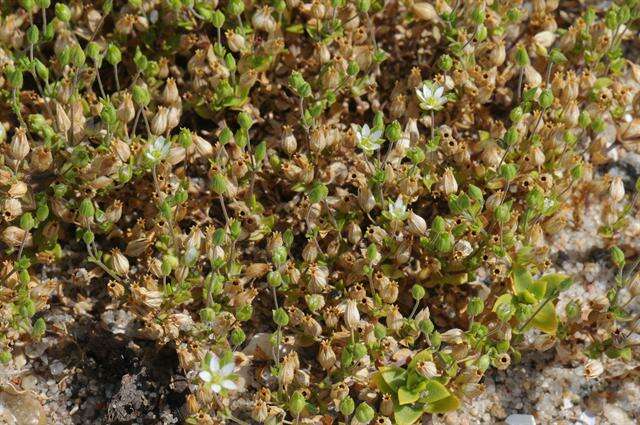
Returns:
(280,317)
(114,56)
(86,208)
(418,292)
(347,406)
(364,413)
(63,12)
(297,403)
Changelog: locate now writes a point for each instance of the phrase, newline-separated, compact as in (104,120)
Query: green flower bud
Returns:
(14,78)
(244,120)
(475,306)
(359,350)
(438,224)
(597,125)
(237,336)
(364,413)
(39,328)
(617,256)
(86,208)
(235,7)
(49,31)
(28,5)
(513,14)
(418,292)
(556,56)
(219,184)
(611,19)
(88,237)
(502,213)
(444,243)
(584,119)
(478,15)
(481,33)
(314,301)
(24,276)
(280,256)
(522,58)
(426,326)
(573,310)
(244,313)
(217,19)
(27,222)
(347,406)
(280,317)
(207,314)
(379,331)
(41,70)
(78,57)
(352,68)
(108,114)
(511,136)
(318,193)
(508,171)
(516,114)
(363,6)
(546,99)
(63,12)
(114,56)
(445,62)
(94,52)
(33,34)
(5,357)
(393,131)
(141,95)
(42,212)
(535,199)
(297,403)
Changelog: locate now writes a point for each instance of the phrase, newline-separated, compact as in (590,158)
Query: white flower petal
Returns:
(439,91)
(376,135)
(366,131)
(214,364)
(227,369)
(230,385)
(205,376)
(216,388)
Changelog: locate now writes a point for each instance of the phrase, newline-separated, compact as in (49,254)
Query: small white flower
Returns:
(398,210)
(158,150)
(368,141)
(216,377)
(431,96)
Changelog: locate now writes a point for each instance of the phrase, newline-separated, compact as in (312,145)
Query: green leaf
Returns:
(408,396)
(444,405)
(422,356)
(318,193)
(522,280)
(546,319)
(502,299)
(552,282)
(435,391)
(407,415)
(393,376)
(381,384)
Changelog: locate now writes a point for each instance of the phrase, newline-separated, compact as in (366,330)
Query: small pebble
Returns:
(520,420)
